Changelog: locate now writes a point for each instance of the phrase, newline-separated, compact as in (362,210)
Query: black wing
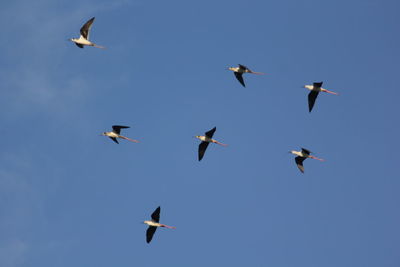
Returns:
(202,149)
(79,45)
(117,128)
(317,84)
(299,161)
(243,67)
(305,151)
(239,77)
(311,99)
(86,28)
(150,232)
(114,139)
(156,215)
(211,132)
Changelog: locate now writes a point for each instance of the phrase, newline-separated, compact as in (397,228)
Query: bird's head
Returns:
(231,68)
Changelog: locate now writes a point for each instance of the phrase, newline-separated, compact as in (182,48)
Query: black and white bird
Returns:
(206,139)
(315,89)
(238,71)
(84,37)
(153,224)
(115,133)
(301,156)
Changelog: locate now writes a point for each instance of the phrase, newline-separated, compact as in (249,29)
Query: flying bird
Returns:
(301,156)
(84,37)
(238,71)
(115,133)
(206,139)
(153,224)
(312,96)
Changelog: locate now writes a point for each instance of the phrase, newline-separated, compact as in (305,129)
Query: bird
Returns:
(301,156)
(84,37)
(153,224)
(115,133)
(238,71)
(206,139)
(315,89)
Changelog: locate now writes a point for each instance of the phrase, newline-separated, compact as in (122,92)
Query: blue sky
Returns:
(69,197)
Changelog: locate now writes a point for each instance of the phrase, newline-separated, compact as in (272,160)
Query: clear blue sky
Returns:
(69,197)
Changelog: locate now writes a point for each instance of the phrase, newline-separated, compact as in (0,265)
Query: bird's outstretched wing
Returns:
(317,84)
(305,151)
(150,232)
(239,77)
(311,99)
(155,216)
(114,139)
(211,132)
(79,45)
(243,67)
(202,149)
(117,128)
(299,161)
(86,28)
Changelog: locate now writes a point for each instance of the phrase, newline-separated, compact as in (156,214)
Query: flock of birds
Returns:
(207,138)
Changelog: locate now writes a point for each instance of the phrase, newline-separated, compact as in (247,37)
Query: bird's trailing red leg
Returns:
(126,138)
(327,91)
(259,73)
(167,226)
(312,157)
(216,142)
(99,46)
